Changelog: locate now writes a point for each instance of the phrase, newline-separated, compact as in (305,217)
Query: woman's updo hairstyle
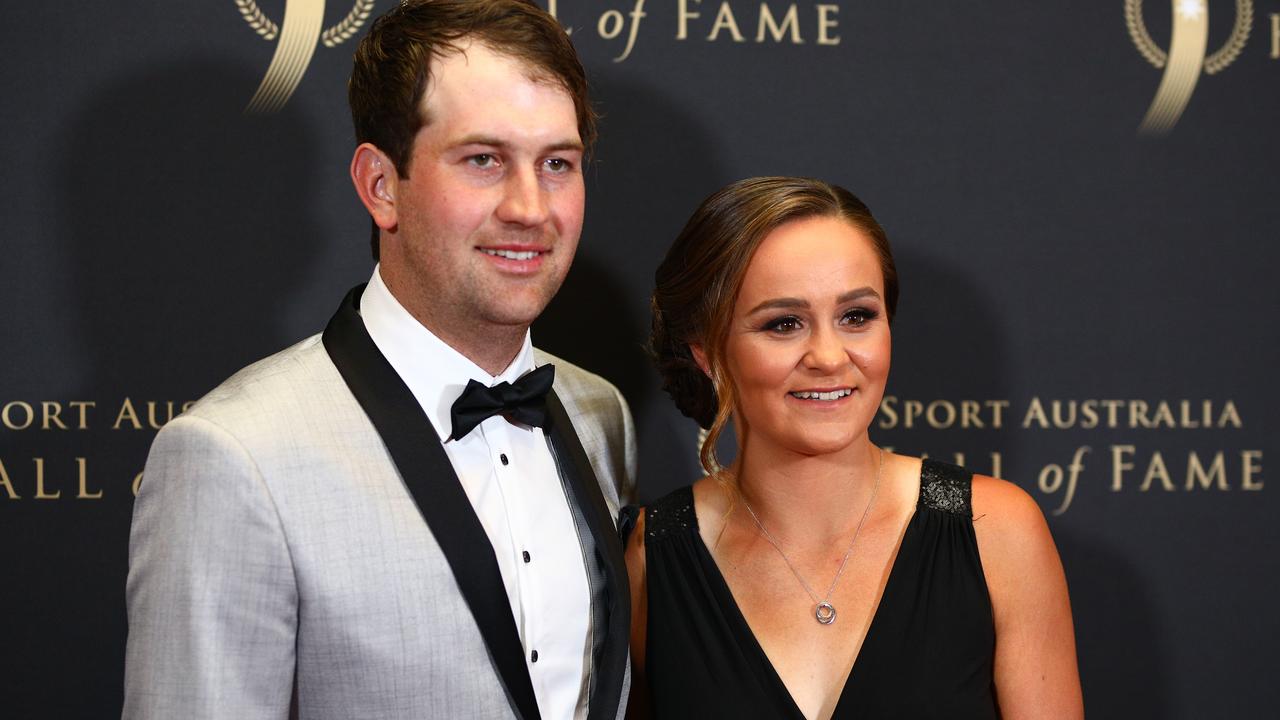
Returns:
(697,284)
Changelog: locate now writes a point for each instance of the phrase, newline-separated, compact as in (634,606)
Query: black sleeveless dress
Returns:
(928,652)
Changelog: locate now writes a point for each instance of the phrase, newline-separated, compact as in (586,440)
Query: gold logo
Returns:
(1186,56)
(302,22)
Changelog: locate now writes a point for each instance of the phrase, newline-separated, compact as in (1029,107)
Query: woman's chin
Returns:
(816,445)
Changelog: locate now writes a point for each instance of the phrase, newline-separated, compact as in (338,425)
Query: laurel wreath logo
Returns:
(349,25)
(257,19)
(331,37)
(296,42)
(1213,64)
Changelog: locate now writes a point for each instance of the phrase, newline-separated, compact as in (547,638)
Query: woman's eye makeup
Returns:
(854,317)
(858,316)
(783,324)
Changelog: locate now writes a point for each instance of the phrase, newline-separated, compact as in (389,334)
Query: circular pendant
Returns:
(825,612)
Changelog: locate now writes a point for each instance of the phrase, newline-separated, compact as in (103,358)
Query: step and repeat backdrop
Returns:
(1084,200)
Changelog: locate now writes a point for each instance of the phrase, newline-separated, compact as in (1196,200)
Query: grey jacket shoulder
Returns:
(291,412)
(276,385)
(602,419)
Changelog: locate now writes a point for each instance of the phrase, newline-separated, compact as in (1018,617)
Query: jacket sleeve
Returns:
(212,600)
(627,482)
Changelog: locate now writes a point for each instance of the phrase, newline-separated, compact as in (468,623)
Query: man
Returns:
(359,526)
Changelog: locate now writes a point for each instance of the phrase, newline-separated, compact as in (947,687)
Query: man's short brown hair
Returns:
(392,63)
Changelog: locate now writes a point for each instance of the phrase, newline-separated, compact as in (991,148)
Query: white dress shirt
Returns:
(511,479)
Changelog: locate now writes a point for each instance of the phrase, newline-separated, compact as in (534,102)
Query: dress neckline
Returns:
(720,587)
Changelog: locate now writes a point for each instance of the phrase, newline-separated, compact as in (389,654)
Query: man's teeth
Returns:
(833,395)
(513,254)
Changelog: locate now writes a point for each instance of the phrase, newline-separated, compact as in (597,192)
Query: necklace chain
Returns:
(825,611)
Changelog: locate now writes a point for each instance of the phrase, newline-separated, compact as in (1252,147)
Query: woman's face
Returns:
(808,347)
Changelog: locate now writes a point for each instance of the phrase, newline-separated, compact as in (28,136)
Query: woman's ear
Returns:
(700,357)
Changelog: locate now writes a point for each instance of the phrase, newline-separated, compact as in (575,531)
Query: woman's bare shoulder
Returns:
(1004,507)
(1035,668)
(1013,537)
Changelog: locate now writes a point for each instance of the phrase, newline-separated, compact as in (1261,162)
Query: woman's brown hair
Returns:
(697,284)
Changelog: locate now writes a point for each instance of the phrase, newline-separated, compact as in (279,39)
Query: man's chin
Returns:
(517,302)
(513,315)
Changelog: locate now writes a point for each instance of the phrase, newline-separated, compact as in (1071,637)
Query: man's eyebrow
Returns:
(794,303)
(574,145)
(479,140)
(561,146)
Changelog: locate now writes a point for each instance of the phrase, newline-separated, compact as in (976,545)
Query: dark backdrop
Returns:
(156,239)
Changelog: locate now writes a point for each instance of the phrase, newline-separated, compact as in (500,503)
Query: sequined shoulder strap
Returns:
(671,514)
(946,487)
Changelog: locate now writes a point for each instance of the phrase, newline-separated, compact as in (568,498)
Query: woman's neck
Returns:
(808,498)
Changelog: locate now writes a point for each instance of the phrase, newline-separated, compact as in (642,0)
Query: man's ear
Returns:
(700,357)
(377,183)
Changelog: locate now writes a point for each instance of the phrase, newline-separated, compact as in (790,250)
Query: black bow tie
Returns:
(524,401)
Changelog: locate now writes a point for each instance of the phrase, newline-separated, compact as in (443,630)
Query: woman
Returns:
(818,576)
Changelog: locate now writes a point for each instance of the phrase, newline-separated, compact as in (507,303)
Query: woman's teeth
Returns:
(833,395)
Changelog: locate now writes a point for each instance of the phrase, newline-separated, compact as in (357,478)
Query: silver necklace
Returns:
(823,610)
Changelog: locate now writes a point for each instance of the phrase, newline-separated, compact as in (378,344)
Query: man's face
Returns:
(488,220)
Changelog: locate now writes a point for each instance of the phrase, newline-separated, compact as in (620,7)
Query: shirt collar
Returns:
(435,373)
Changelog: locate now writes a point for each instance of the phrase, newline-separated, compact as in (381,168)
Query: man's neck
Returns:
(491,348)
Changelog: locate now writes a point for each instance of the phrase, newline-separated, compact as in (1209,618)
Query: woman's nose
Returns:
(826,351)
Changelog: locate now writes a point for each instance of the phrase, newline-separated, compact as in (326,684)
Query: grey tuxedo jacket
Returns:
(301,548)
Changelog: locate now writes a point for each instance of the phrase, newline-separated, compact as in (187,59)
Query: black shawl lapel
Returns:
(415,447)
(610,662)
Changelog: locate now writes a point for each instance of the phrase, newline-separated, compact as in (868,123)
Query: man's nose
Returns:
(524,200)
